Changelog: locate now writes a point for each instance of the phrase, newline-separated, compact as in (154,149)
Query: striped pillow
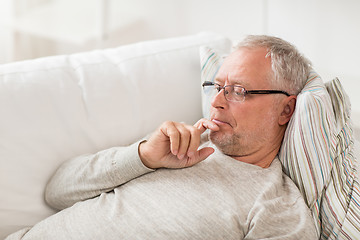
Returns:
(317,154)
(210,62)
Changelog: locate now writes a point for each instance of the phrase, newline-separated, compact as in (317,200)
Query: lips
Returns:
(220,122)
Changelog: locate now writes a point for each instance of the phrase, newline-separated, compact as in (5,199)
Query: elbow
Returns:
(53,197)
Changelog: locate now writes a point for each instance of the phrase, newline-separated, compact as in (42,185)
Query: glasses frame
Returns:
(219,88)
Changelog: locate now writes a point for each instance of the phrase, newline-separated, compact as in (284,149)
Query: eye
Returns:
(217,87)
(238,91)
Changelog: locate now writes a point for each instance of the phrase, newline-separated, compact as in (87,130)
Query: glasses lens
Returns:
(210,90)
(235,93)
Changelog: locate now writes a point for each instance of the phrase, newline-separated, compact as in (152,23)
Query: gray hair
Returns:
(290,68)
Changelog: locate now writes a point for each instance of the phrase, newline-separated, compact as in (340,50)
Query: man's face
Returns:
(245,127)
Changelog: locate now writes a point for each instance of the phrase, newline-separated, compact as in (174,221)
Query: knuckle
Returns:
(173,132)
(185,134)
(168,123)
(195,130)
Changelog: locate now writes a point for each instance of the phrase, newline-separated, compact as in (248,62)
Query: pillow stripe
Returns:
(207,60)
(210,65)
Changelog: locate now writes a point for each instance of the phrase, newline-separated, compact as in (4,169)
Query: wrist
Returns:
(142,154)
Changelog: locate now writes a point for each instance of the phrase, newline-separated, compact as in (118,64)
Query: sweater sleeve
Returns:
(88,176)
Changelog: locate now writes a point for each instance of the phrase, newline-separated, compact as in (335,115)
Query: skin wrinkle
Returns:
(230,144)
(254,123)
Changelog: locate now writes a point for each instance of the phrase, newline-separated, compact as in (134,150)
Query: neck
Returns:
(263,156)
(261,159)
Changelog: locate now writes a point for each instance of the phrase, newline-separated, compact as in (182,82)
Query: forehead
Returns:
(246,67)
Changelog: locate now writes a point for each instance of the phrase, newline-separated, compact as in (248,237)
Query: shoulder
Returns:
(280,200)
(277,185)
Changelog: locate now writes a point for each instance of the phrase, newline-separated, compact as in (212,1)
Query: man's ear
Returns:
(288,108)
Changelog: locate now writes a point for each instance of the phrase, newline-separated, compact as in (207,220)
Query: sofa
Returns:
(60,107)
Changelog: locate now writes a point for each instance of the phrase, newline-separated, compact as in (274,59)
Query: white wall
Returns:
(326,31)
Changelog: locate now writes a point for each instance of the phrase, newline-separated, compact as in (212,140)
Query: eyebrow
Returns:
(216,80)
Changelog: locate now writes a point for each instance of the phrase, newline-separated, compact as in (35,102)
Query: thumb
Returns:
(205,153)
(201,155)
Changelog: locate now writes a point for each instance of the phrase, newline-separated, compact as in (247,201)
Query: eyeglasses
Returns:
(234,93)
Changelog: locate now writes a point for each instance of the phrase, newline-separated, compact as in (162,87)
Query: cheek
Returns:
(253,118)
(243,115)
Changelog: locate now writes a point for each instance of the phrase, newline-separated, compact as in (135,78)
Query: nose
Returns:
(219,100)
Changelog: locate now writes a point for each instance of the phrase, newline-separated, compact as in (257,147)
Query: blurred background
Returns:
(326,31)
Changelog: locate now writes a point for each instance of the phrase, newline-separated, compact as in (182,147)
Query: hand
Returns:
(175,145)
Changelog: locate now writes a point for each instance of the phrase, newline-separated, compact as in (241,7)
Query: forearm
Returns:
(88,176)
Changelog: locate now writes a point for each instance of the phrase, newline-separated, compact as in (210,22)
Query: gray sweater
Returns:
(112,195)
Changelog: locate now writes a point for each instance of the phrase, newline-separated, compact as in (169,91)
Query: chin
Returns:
(226,143)
(216,137)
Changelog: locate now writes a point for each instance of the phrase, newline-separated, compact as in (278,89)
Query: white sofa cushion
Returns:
(60,107)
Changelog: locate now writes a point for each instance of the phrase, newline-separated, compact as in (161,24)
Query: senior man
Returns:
(160,188)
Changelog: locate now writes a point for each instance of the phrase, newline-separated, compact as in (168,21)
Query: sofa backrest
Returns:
(56,108)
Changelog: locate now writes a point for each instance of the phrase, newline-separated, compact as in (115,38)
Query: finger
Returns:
(170,131)
(202,154)
(204,124)
(185,137)
(195,136)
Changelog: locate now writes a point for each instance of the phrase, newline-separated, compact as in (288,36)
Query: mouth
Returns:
(220,122)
